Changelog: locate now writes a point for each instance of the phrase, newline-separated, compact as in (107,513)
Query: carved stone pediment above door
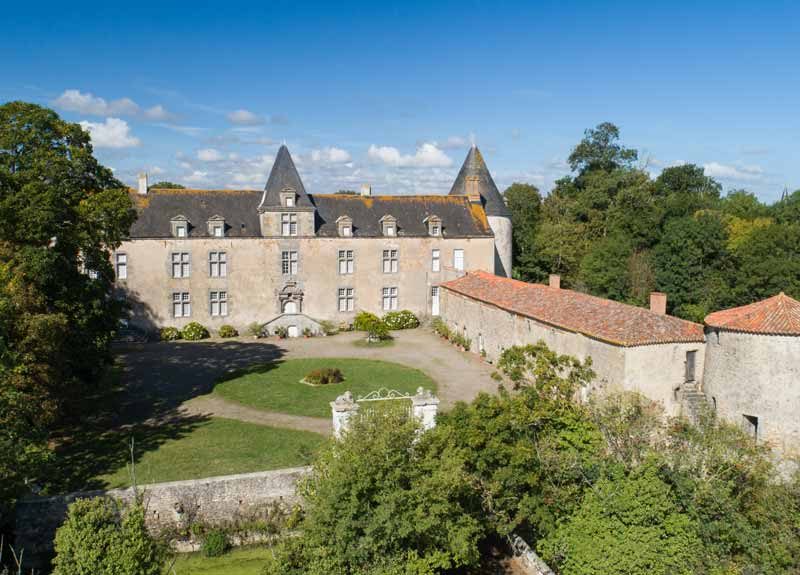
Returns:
(291,298)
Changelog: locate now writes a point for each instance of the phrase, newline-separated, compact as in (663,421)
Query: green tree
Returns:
(604,269)
(684,190)
(63,213)
(788,210)
(626,525)
(103,535)
(164,185)
(525,203)
(599,150)
(743,204)
(385,500)
(692,265)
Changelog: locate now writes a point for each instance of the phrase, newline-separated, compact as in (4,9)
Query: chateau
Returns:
(287,258)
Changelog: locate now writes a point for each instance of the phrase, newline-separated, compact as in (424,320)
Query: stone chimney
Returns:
(555,281)
(366,190)
(658,302)
(143,184)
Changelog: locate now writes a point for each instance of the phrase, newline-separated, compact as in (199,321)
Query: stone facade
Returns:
(754,379)
(657,371)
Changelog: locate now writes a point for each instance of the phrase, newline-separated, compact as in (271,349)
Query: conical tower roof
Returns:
(474,167)
(778,315)
(284,177)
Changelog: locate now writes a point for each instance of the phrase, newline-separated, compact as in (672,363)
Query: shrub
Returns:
(282,332)
(194,331)
(364,320)
(170,333)
(103,535)
(460,340)
(255,329)
(228,331)
(308,332)
(216,543)
(328,327)
(440,327)
(401,320)
(324,376)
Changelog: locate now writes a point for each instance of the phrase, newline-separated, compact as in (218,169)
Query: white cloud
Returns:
(727,172)
(197,177)
(192,131)
(87,103)
(330,155)
(113,133)
(245,118)
(156,170)
(454,142)
(428,155)
(158,113)
(209,155)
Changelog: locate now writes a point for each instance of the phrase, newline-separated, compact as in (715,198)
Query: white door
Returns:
(290,307)
(435,300)
(293,331)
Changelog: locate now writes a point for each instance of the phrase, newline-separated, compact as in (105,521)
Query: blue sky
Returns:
(392,94)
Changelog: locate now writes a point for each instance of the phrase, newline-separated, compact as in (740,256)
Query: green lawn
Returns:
(243,561)
(277,387)
(215,447)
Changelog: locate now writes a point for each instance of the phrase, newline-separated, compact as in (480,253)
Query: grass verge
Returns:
(242,561)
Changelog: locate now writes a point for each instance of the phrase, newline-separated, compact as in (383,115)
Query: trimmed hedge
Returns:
(228,331)
(194,331)
(401,320)
(324,376)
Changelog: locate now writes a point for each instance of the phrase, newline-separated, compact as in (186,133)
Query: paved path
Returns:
(166,378)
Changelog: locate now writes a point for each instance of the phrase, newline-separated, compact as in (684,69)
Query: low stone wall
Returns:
(214,500)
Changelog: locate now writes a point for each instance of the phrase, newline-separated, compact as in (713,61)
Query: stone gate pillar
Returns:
(425,406)
(343,409)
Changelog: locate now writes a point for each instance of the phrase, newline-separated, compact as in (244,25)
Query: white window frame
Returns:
(217,264)
(436,260)
(289,262)
(389,298)
(218,303)
(390,259)
(121,265)
(181,304)
(458,259)
(219,232)
(181,265)
(346,299)
(346,262)
(288,224)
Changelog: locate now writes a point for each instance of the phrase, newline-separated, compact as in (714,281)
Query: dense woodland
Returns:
(611,230)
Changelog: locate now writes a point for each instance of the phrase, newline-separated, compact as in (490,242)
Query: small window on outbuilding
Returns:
(750,425)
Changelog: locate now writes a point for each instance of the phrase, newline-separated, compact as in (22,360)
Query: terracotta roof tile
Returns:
(609,321)
(778,315)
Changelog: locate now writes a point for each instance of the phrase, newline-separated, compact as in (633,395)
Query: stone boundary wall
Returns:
(532,563)
(213,500)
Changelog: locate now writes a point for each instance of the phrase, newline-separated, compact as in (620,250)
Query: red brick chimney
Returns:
(555,281)
(658,302)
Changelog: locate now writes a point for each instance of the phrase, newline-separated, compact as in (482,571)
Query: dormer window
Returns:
(389,226)
(216,227)
(180,226)
(434,225)
(288,198)
(345,226)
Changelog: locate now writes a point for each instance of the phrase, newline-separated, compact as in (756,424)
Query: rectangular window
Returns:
(181,304)
(218,232)
(458,259)
(436,263)
(346,299)
(345,262)
(122,266)
(346,231)
(691,357)
(219,303)
(389,261)
(217,264)
(750,425)
(434,230)
(288,224)
(389,298)
(289,263)
(180,265)
(289,202)
(180,231)
(434,300)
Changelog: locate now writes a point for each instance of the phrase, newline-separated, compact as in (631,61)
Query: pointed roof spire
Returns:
(475,168)
(284,177)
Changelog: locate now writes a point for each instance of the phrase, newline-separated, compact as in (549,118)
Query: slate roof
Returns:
(284,176)
(475,166)
(459,217)
(778,315)
(158,207)
(605,320)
